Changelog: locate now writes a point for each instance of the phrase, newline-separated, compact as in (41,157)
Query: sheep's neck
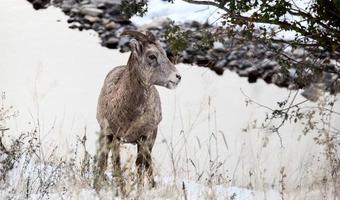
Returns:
(132,98)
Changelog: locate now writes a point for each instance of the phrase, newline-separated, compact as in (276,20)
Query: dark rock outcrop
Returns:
(251,59)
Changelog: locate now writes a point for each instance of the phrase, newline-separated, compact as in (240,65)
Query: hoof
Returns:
(98,183)
(152,183)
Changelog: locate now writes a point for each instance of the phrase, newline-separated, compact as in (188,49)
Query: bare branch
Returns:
(209,3)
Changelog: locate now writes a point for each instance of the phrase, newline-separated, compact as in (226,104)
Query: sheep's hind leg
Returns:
(144,159)
(101,163)
(117,171)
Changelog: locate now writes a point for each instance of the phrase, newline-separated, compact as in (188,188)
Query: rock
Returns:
(293,86)
(121,29)
(245,64)
(91,11)
(269,54)
(331,68)
(112,43)
(267,76)
(113,10)
(111,26)
(246,72)
(329,79)
(97,27)
(233,55)
(267,64)
(251,59)
(57,2)
(75,10)
(195,24)
(39,4)
(218,71)
(91,19)
(105,21)
(187,58)
(66,7)
(202,60)
(233,63)
(124,49)
(121,20)
(253,76)
(156,24)
(280,80)
(100,30)
(191,49)
(221,64)
(292,73)
(85,2)
(197,35)
(217,53)
(87,26)
(73,26)
(107,34)
(218,46)
(102,6)
(107,1)
(249,54)
(71,20)
(252,73)
(299,52)
(276,45)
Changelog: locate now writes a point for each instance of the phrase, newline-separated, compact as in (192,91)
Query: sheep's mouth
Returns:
(172,84)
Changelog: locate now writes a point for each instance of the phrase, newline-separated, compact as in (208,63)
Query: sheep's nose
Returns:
(178,76)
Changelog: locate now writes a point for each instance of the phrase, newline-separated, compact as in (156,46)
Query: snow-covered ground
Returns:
(179,11)
(52,75)
(27,171)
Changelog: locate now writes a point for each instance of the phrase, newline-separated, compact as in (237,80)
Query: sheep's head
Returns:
(150,60)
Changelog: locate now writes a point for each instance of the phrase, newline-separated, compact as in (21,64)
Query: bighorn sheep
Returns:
(129,106)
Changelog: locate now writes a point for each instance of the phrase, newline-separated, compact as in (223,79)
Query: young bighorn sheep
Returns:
(129,107)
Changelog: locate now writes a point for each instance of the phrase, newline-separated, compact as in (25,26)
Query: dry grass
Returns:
(29,173)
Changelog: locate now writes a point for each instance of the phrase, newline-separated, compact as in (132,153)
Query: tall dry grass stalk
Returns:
(28,173)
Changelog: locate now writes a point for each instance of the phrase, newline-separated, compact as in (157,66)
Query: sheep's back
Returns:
(110,81)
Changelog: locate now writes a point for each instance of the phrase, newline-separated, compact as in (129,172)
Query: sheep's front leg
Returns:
(117,171)
(102,155)
(144,160)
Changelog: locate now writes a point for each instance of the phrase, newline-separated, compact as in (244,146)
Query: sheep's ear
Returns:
(136,47)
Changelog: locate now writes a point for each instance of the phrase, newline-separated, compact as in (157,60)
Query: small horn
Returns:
(151,37)
(138,35)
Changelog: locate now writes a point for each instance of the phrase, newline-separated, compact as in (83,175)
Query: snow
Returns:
(196,191)
(218,45)
(58,80)
(24,171)
(179,11)
(221,192)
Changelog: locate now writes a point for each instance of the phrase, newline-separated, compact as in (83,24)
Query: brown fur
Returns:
(129,110)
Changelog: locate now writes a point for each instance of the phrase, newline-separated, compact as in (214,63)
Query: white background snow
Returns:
(54,73)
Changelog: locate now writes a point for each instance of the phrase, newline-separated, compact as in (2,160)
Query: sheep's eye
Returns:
(152,57)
